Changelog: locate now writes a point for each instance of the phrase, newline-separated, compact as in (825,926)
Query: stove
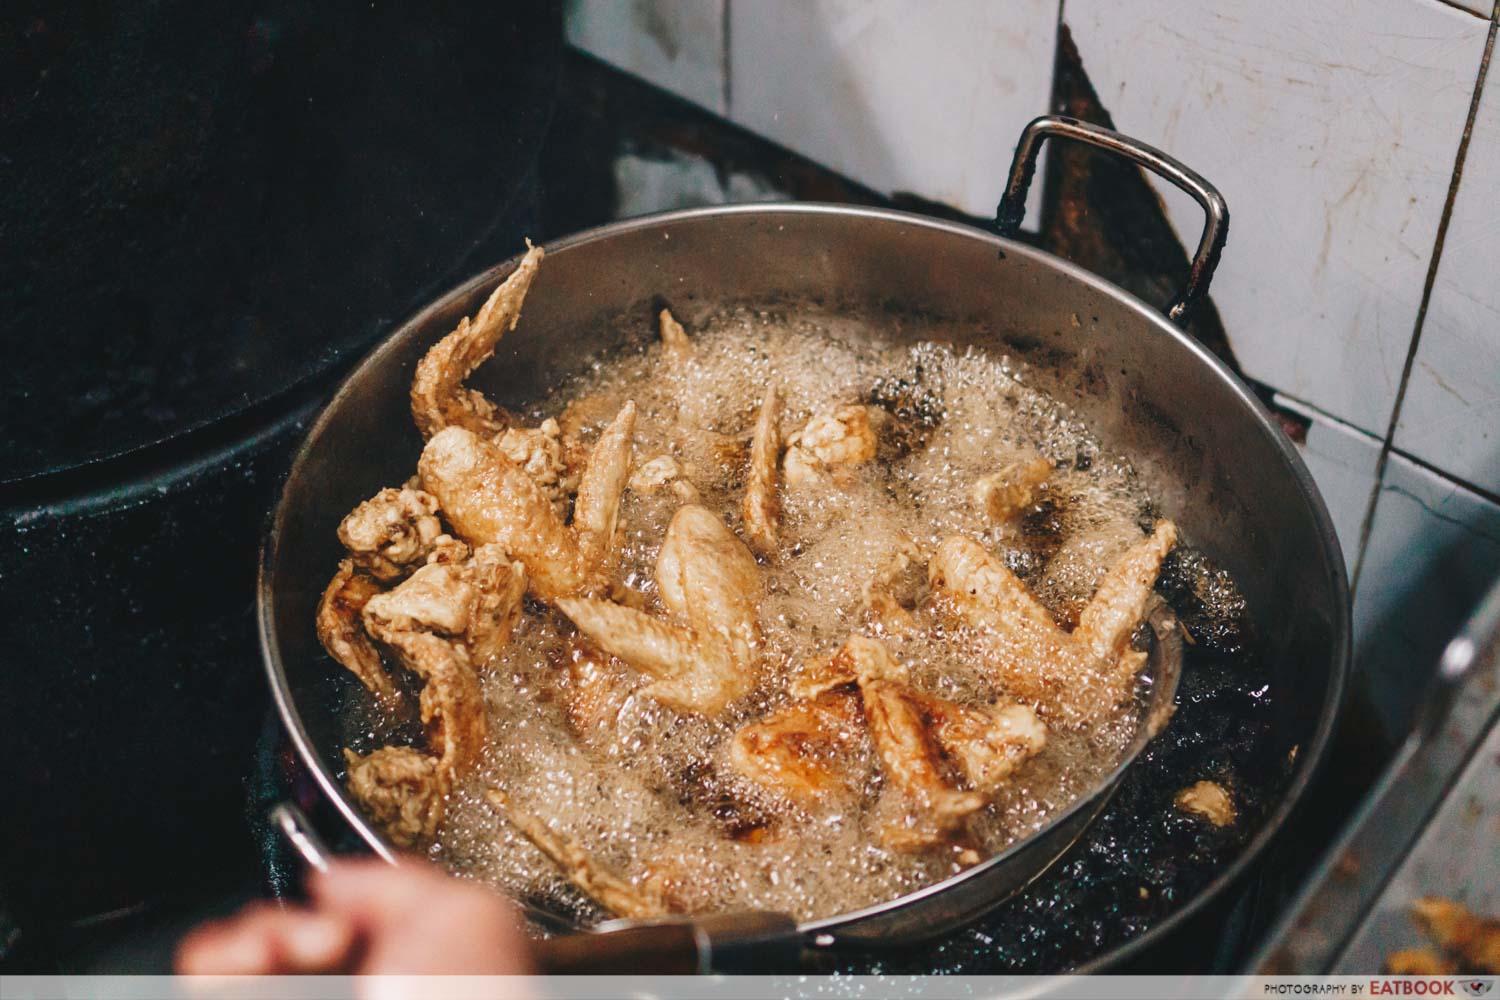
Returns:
(116,542)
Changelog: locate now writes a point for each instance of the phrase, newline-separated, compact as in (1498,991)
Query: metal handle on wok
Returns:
(728,943)
(1216,213)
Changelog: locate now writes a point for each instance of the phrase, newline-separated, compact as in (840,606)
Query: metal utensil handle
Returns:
(293,825)
(1216,213)
(729,943)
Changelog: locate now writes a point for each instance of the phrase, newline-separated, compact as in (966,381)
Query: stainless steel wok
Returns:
(1216,461)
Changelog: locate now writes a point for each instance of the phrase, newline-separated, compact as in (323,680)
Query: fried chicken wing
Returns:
(397,788)
(393,532)
(703,658)
(539,453)
(801,750)
(675,345)
(438,396)
(596,509)
(597,692)
(343,636)
(488,499)
(663,472)
(831,443)
(761,507)
(1074,677)
(1001,496)
(610,890)
(941,761)
(476,602)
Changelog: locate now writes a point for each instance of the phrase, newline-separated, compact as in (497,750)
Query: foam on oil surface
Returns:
(655,795)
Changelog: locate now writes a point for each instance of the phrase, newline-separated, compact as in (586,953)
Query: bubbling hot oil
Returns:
(652,796)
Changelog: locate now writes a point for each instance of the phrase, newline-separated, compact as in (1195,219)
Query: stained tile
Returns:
(676,44)
(1434,550)
(1450,417)
(1331,129)
(1343,461)
(927,99)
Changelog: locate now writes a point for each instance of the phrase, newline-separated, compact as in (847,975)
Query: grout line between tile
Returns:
(1456,5)
(1447,477)
(1427,285)
(724,58)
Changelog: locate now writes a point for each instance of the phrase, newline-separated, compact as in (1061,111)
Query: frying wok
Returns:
(1216,463)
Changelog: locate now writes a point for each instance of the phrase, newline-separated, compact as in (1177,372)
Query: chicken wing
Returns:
(397,789)
(394,532)
(663,472)
(1002,495)
(1475,940)
(941,761)
(476,602)
(675,345)
(610,890)
(761,506)
(539,453)
(488,499)
(831,443)
(438,396)
(1073,677)
(340,631)
(704,656)
(801,750)
(597,692)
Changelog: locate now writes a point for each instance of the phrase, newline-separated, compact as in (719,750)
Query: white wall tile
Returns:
(928,99)
(676,44)
(1331,127)
(1343,462)
(1434,550)
(1450,417)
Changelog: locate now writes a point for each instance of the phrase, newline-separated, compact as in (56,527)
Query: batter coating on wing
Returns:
(438,396)
(488,499)
(1075,677)
(761,507)
(702,656)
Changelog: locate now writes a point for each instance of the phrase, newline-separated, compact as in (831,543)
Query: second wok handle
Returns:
(722,943)
(1216,213)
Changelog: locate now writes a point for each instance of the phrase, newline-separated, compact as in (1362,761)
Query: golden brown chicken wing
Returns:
(762,507)
(831,443)
(1072,677)
(343,635)
(1003,495)
(394,532)
(488,499)
(438,396)
(397,788)
(703,656)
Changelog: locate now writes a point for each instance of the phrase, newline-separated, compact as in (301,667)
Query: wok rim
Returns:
(1313,756)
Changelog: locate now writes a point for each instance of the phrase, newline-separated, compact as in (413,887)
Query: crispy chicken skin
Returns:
(1003,495)
(393,532)
(488,499)
(940,761)
(1072,677)
(539,453)
(832,442)
(885,596)
(800,750)
(438,396)
(610,890)
(761,506)
(703,656)
(340,631)
(663,472)
(926,743)
(476,602)
(397,788)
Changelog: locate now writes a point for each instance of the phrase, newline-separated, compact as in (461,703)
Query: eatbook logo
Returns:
(1477,987)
